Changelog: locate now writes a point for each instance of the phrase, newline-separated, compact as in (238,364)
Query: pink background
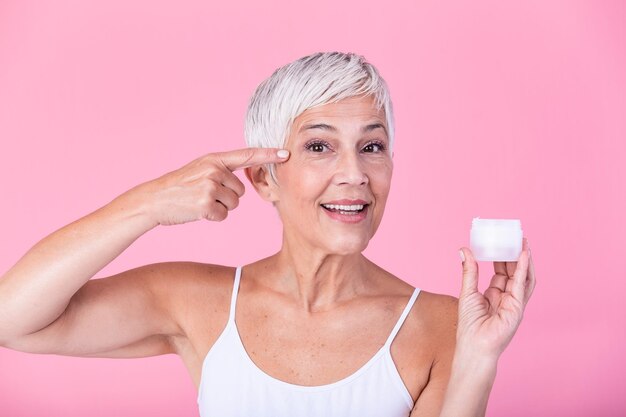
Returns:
(503,109)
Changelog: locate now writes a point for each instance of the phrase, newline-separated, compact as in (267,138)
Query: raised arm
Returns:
(48,303)
(487,323)
(462,378)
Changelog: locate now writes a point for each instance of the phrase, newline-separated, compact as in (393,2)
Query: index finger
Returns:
(247,157)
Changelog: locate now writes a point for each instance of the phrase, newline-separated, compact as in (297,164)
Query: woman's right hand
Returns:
(205,188)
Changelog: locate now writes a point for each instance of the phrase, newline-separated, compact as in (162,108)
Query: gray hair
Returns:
(311,81)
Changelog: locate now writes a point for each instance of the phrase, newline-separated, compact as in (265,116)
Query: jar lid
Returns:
(477,222)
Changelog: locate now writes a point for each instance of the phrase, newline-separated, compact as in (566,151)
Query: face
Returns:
(332,191)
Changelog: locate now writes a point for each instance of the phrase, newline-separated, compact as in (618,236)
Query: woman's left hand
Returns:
(487,322)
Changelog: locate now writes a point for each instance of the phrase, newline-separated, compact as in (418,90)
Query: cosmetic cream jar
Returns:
(496,239)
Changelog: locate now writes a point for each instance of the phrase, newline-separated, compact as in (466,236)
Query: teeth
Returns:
(355,207)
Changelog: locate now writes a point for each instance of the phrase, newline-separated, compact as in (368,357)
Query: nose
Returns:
(350,170)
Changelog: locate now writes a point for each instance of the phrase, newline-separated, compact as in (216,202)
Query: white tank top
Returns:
(232,385)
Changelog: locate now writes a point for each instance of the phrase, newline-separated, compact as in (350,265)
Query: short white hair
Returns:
(311,81)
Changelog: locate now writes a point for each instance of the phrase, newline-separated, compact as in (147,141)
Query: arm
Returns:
(470,385)
(461,382)
(130,314)
(458,387)
(47,304)
(430,400)
(37,290)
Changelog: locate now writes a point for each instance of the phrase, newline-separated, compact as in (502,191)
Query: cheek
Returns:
(301,182)
(380,178)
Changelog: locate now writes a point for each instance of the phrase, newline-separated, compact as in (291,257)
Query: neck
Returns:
(318,279)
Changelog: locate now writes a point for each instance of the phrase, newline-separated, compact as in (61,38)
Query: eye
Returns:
(375,146)
(317,146)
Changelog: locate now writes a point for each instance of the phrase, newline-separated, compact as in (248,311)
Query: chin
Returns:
(348,247)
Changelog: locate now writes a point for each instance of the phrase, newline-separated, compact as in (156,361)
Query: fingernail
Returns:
(462,255)
(283,153)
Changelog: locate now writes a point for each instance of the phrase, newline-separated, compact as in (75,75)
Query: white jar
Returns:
(496,239)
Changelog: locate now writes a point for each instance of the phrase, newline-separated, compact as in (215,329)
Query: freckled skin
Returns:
(311,314)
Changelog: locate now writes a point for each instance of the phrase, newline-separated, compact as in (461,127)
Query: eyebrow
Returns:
(324,126)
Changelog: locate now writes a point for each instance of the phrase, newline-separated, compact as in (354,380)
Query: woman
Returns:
(315,329)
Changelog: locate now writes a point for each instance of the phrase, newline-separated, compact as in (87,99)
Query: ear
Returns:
(261,180)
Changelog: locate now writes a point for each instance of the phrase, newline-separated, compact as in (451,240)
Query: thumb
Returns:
(247,157)
(469,284)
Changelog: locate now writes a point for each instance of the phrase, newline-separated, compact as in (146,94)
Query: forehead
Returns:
(349,110)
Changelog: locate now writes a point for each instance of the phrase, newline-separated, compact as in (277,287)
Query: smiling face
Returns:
(333,189)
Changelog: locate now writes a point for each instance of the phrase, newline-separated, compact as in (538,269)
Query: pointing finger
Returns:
(247,157)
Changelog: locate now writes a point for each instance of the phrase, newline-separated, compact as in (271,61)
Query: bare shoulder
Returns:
(432,313)
(438,309)
(187,276)
(187,289)
(431,322)
(435,317)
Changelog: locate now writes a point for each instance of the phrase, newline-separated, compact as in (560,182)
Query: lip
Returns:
(346,202)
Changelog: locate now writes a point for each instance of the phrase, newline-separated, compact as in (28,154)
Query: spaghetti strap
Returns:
(405,313)
(233,299)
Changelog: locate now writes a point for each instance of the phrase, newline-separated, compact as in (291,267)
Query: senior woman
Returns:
(316,329)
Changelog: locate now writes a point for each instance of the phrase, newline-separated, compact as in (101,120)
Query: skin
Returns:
(320,255)
(304,314)
(320,279)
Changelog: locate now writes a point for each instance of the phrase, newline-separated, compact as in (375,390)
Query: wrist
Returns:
(473,364)
(478,347)
(131,205)
(471,379)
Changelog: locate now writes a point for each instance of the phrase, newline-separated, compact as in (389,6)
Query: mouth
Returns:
(345,209)
(347,213)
